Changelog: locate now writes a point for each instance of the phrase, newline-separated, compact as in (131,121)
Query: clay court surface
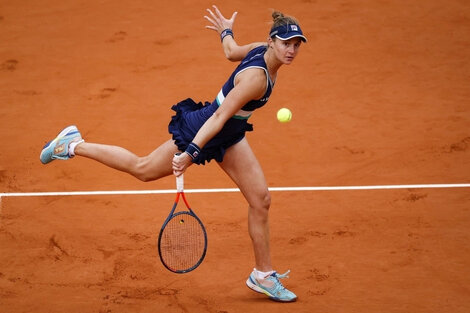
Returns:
(380,96)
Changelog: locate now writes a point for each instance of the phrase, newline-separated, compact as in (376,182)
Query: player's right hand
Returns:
(180,163)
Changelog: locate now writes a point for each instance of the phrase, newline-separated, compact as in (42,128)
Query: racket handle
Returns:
(179,179)
(179,183)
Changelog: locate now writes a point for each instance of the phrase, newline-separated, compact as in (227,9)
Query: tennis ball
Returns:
(284,115)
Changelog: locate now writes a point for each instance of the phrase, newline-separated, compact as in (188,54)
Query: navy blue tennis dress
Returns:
(190,116)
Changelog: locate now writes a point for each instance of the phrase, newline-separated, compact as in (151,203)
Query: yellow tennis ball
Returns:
(284,115)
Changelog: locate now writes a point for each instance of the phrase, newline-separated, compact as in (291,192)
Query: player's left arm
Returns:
(232,50)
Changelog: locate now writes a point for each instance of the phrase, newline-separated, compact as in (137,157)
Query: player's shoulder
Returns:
(255,57)
(253,76)
(253,50)
(257,47)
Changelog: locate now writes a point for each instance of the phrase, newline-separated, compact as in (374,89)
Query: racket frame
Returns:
(180,194)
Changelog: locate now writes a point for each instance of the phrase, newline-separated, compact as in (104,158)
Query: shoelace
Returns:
(281,276)
(278,286)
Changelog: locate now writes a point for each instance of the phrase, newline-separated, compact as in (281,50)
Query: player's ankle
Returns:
(72,147)
(262,275)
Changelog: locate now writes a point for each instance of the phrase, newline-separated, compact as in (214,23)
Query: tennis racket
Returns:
(182,243)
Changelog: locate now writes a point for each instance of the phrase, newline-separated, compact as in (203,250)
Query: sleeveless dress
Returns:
(190,116)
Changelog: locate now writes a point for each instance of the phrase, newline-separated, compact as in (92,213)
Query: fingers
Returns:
(219,14)
(214,20)
(176,164)
(215,25)
(179,164)
(218,21)
(211,21)
(177,173)
(217,11)
(234,15)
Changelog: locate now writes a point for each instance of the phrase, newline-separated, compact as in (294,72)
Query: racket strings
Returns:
(182,243)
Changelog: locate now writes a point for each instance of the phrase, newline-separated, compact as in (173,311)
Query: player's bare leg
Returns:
(249,177)
(151,167)
(242,166)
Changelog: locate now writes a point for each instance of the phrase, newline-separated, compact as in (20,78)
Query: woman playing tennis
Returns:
(215,131)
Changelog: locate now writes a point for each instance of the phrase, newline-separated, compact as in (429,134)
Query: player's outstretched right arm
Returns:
(223,27)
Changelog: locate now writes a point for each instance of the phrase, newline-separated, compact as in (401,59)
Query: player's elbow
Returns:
(218,121)
(230,55)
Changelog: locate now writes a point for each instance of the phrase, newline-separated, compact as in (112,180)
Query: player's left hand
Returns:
(218,21)
(180,163)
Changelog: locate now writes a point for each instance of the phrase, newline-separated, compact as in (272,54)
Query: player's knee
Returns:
(145,178)
(264,202)
(267,200)
(142,171)
(142,176)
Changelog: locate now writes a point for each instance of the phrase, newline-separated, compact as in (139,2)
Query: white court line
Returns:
(170,191)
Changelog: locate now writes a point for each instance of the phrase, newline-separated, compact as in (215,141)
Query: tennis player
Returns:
(215,131)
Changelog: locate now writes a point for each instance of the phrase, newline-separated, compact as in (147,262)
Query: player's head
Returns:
(285,27)
(285,37)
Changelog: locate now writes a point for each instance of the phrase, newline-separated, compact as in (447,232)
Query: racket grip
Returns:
(179,179)
(179,183)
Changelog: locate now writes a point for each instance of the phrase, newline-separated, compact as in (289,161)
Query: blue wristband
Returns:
(193,150)
(225,33)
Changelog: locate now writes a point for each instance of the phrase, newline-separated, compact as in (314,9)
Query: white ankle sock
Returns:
(72,147)
(262,275)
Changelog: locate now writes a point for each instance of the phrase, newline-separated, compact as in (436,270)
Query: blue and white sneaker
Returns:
(58,148)
(271,286)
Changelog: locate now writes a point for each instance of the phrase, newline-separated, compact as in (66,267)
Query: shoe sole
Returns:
(59,136)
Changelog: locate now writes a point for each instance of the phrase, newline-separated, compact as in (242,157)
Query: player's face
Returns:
(286,50)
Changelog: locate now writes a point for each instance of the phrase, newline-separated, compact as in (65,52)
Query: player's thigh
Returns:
(158,163)
(241,164)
